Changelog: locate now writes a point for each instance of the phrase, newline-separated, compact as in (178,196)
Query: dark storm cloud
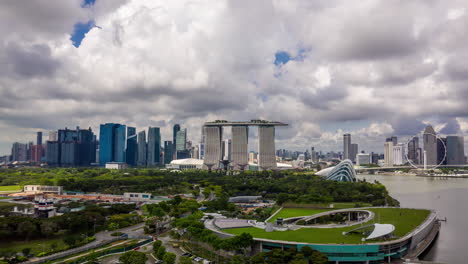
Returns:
(451,127)
(324,98)
(385,31)
(406,126)
(387,64)
(32,61)
(38,19)
(456,68)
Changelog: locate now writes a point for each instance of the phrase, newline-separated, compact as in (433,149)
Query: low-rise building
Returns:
(32,189)
(363,158)
(184,164)
(116,165)
(140,197)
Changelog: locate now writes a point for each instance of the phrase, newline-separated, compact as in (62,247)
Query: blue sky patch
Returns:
(80,29)
(282,57)
(88,3)
(79,32)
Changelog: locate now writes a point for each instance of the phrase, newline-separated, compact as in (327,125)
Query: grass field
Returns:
(36,246)
(349,205)
(292,212)
(404,220)
(6,205)
(10,188)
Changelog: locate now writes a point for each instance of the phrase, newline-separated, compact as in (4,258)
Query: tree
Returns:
(54,246)
(161,252)
(48,227)
(237,260)
(26,229)
(169,258)
(133,257)
(156,245)
(185,260)
(282,198)
(70,240)
(26,251)
(307,251)
(113,226)
(318,257)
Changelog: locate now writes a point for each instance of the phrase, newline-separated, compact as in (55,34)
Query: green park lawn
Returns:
(10,188)
(6,205)
(36,246)
(292,212)
(349,205)
(404,220)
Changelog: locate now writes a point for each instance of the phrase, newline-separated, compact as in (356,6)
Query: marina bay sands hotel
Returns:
(213,132)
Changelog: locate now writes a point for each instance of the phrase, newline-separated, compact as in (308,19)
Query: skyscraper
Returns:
(86,147)
(347,146)
(240,148)
(313,155)
(37,153)
(154,146)
(227,150)
(73,147)
(142,148)
(168,152)
(354,150)
(266,148)
(181,139)
(398,154)
(111,143)
(53,153)
(39,138)
(175,129)
(388,154)
(131,152)
(455,150)
(430,145)
(119,143)
(213,154)
(413,146)
(53,136)
(19,152)
(392,139)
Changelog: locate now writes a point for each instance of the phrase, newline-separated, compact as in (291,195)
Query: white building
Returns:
(184,164)
(398,154)
(388,154)
(116,165)
(139,197)
(363,158)
(32,189)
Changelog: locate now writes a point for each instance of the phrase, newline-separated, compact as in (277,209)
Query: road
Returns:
(148,249)
(132,231)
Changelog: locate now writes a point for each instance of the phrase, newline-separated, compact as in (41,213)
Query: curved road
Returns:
(103,236)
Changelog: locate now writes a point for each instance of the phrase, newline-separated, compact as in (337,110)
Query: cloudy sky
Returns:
(371,68)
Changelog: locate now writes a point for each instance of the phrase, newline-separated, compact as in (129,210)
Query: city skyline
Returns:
(410,148)
(342,75)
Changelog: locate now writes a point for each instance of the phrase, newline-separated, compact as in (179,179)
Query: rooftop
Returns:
(254,122)
(404,221)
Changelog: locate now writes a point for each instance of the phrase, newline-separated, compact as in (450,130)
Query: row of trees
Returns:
(299,187)
(93,218)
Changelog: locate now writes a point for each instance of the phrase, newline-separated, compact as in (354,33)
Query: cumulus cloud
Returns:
(386,65)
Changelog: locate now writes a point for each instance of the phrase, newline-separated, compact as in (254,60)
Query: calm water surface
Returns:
(449,197)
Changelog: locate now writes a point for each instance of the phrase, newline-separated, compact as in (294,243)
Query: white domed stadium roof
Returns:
(187,162)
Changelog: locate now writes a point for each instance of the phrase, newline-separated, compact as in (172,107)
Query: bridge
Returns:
(361,169)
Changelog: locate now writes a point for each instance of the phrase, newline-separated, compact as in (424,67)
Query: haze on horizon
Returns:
(370,68)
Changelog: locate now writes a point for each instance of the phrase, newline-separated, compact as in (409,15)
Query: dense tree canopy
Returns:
(285,186)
